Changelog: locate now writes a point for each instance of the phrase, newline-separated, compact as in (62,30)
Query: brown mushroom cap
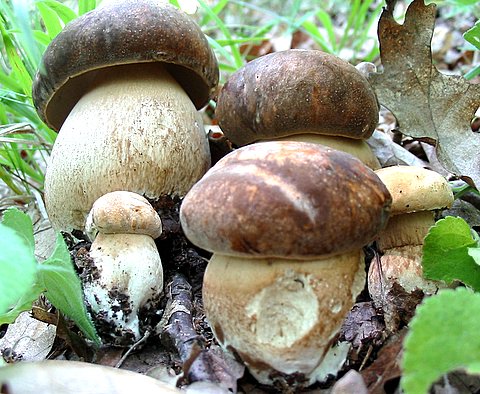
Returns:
(122,32)
(285,199)
(123,212)
(296,91)
(415,189)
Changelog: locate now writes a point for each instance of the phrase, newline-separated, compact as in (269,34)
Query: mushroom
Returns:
(302,95)
(396,284)
(126,275)
(77,377)
(286,222)
(122,84)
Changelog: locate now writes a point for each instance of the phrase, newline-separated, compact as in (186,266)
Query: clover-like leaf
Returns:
(428,105)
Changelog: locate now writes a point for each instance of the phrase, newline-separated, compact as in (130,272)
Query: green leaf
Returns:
(445,253)
(64,289)
(24,303)
(17,267)
(61,10)
(85,6)
(21,223)
(50,20)
(473,35)
(18,66)
(475,254)
(443,336)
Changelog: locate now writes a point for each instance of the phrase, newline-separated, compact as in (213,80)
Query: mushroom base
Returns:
(280,316)
(396,284)
(126,277)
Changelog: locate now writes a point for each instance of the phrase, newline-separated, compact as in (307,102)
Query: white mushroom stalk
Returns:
(136,130)
(126,275)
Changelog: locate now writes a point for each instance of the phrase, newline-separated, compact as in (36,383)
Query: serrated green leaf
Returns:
(64,289)
(22,224)
(445,253)
(443,336)
(17,267)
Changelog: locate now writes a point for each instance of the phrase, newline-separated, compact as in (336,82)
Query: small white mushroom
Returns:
(126,274)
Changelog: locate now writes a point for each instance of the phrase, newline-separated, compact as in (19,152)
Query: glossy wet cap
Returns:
(285,199)
(293,92)
(122,32)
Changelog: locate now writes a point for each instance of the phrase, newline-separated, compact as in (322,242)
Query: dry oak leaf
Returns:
(427,104)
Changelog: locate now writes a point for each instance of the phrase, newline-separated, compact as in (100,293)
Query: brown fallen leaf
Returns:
(387,365)
(428,105)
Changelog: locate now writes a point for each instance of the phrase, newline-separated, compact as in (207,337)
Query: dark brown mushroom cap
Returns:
(123,32)
(296,91)
(285,199)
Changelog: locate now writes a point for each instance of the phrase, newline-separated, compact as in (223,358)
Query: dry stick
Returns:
(177,325)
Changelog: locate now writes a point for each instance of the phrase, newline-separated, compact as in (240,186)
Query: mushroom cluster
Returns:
(301,95)
(397,282)
(122,85)
(286,222)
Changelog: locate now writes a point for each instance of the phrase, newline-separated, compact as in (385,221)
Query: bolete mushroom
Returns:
(122,84)
(416,194)
(302,95)
(286,222)
(126,276)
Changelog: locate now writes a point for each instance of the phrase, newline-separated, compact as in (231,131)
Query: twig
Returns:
(132,348)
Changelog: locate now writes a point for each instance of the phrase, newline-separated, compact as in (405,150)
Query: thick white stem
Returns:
(135,130)
(126,276)
(280,315)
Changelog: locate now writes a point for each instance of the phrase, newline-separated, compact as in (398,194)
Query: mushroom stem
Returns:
(284,314)
(130,279)
(358,148)
(406,229)
(136,129)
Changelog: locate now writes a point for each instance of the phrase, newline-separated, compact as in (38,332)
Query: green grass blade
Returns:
(350,21)
(64,13)
(327,23)
(216,9)
(18,67)
(312,30)
(6,177)
(50,20)
(41,37)
(237,57)
(22,36)
(85,6)
(473,72)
